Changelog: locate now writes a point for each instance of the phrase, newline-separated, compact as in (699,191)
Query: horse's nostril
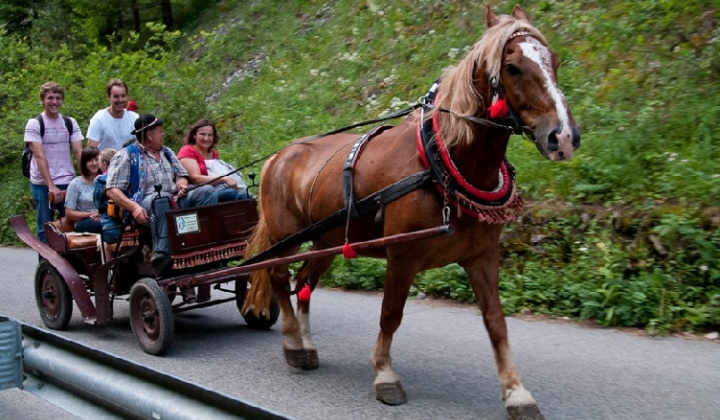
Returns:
(575,137)
(553,141)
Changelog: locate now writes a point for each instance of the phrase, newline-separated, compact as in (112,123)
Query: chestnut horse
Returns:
(510,75)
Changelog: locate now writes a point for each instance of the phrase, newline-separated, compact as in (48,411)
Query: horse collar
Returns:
(498,206)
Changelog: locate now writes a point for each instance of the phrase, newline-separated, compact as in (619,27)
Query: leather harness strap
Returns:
(363,206)
(349,169)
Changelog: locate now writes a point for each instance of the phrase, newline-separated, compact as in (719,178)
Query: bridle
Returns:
(511,123)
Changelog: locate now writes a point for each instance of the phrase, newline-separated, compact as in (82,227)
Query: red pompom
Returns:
(499,109)
(304,294)
(348,252)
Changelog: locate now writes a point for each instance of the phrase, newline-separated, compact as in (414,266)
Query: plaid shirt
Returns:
(163,172)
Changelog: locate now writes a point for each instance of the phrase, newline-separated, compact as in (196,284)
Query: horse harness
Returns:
(498,206)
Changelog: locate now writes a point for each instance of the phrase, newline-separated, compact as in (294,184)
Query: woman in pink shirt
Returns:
(199,152)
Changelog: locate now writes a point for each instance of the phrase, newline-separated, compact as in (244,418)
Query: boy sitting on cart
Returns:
(138,170)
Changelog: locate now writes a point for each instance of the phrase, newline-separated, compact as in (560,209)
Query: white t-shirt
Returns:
(111,132)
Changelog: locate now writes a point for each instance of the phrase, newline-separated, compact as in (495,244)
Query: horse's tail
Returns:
(260,293)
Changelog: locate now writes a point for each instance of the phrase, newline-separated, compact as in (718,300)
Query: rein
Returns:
(397,114)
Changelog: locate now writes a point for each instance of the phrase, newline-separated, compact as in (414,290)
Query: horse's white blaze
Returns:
(518,397)
(540,54)
(386,375)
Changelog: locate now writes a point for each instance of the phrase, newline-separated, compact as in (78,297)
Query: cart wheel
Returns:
(261,322)
(52,296)
(151,316)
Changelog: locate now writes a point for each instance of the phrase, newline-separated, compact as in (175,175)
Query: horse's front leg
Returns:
(484,279)
(398,279)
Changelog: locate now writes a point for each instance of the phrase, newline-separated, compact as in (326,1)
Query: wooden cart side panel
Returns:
(216,226)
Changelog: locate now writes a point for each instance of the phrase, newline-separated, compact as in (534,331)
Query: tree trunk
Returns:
(135,15)
(167,15)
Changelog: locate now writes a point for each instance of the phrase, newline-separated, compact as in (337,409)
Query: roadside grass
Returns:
(642,79)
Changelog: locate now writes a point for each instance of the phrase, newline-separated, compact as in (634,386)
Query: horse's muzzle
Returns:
(562,142)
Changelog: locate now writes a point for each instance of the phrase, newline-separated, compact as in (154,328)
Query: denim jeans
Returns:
(87,225)
(232,194)
(111,228)
(201,196)
(42,205)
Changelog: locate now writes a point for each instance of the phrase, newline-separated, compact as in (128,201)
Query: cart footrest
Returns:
(210,255)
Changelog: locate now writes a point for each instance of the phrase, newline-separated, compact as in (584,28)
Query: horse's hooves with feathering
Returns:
(302,358)
(390,393)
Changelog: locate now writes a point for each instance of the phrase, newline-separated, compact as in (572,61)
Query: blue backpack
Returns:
(100,199)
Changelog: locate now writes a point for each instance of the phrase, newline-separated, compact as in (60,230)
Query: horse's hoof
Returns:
(302,358)
(390,394)
(525,412)
(311,359)
(295,358)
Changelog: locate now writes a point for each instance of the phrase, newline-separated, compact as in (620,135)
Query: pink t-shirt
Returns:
(188,151)
(56,147)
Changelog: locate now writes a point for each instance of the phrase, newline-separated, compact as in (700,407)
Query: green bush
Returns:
(642,79)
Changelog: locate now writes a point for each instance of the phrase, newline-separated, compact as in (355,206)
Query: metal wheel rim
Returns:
(150,328)
(51,305)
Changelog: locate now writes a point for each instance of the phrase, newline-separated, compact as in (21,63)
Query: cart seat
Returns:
(61,236)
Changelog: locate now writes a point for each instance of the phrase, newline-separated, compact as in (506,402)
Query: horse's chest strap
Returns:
(498,206)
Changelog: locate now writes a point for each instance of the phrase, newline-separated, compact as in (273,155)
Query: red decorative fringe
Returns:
(493,215)
(348,252)
(499,109)
(304,294)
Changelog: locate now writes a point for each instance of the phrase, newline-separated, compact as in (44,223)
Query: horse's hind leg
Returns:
(398,279)
(300,350)
(483,276)
(280,279)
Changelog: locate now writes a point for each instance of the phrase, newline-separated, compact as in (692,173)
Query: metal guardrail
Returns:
(10,354)
(117,385)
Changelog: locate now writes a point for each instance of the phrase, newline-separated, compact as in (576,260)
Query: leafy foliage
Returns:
(642,78)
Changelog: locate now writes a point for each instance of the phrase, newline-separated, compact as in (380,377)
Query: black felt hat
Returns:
(145,122)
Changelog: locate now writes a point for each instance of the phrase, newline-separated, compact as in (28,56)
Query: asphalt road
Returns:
(441,352)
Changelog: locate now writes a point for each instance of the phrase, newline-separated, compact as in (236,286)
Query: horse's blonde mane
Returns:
(458,93)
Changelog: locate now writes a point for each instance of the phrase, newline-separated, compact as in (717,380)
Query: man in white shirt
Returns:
(111,128)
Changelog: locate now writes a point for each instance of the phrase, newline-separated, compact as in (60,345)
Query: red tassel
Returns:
(304,294)
(499,109)
(348,252)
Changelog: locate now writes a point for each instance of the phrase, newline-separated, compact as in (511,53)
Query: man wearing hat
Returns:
(136,170)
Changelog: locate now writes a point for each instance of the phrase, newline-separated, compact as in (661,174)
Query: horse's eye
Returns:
(512,70)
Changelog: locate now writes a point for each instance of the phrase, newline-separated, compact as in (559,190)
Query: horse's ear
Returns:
(519,14)
(490,17)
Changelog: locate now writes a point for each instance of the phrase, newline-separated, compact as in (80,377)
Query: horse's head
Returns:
(527,76)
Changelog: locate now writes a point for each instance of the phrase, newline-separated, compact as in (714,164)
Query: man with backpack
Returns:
(51,137)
